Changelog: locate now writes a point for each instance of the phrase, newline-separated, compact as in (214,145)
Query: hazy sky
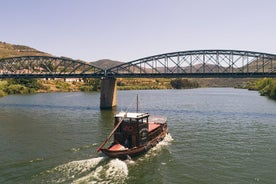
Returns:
(126,30)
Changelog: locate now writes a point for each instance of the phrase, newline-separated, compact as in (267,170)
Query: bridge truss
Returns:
(200,63)
(193,64)
(47,67)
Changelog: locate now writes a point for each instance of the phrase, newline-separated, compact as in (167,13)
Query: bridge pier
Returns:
(108,93)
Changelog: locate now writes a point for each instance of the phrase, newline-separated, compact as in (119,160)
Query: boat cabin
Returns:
(133,130)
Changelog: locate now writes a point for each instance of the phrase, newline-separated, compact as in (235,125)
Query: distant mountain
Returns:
(10,50)
(106,63)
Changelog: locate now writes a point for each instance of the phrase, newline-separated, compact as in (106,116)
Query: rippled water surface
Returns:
(217,135)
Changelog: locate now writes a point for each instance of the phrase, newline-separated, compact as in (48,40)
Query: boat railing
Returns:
(142,115)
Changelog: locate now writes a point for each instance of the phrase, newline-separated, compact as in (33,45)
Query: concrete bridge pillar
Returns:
(108,93)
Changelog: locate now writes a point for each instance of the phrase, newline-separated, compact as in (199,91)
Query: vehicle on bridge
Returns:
(134,134)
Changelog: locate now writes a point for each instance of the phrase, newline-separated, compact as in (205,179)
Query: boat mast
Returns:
(137,101)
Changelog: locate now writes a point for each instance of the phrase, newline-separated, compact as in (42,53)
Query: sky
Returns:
(126,30)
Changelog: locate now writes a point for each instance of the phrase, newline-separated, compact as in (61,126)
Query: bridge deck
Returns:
(193,64)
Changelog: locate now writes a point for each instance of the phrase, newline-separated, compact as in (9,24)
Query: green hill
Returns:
(10,50)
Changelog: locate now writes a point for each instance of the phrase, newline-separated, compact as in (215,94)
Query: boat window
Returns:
(140,121)
(133,120)
(126,120)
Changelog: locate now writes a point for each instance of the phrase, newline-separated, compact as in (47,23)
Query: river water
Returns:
(217,135)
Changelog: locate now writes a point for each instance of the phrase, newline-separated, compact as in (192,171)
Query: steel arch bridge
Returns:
(200,63)
(192,64)
(47,67)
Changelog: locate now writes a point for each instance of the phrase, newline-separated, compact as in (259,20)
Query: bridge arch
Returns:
(47,67)
(200,63)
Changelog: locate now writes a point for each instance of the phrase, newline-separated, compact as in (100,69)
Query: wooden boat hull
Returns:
(132,152)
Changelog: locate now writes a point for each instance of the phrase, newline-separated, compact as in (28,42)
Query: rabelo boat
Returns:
(134,134)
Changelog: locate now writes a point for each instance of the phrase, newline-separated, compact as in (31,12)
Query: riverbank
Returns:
(27,86)
(266,86)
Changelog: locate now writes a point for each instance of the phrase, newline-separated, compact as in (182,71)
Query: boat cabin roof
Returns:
(133,115)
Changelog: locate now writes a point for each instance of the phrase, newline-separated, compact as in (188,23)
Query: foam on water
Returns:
(36,160)
(115,171)
(165,142)
(117,168)
(156,149)
(69,171)
(76,149)
(94,170)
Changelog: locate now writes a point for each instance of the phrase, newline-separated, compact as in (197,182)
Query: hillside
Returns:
(106,63)
(10,50)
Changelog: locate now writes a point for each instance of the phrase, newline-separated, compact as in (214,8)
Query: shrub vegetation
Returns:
(2,93)
(183,84)
(90,85)
(18,86)
(267,87)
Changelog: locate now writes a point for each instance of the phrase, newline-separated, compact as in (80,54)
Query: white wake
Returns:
(94,170)
(97,170)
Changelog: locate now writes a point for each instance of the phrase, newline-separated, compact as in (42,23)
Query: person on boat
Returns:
(127,142)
